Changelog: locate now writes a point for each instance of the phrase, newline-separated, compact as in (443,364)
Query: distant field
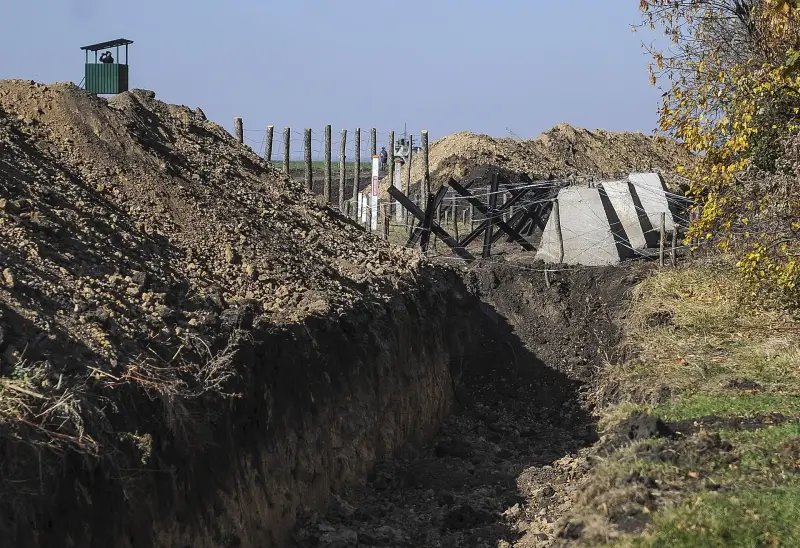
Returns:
(320,165)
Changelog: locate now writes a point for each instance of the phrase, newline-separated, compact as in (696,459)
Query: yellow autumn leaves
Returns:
(729,105)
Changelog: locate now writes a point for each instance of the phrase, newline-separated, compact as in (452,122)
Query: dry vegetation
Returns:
(723,376)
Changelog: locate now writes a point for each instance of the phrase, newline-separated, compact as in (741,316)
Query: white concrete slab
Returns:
(619,194)
(651,192)
(588,239)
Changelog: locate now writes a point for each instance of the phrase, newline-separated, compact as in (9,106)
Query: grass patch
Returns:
(697,349)
(731,405)
(694,333)
(757,517)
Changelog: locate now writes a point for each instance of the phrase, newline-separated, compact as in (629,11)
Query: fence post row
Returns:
(268,150)
(309,163)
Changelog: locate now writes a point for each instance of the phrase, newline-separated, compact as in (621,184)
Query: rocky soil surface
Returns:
(137,237)
(133,218)
(503,469)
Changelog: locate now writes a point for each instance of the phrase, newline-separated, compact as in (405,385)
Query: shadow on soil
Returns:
(518,410)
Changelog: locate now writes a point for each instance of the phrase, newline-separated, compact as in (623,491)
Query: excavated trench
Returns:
(431,419)
(398,405)
(499,471)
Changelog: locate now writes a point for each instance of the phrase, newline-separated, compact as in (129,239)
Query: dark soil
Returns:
(500,470)
(745,385)
(638,427)
(690,426)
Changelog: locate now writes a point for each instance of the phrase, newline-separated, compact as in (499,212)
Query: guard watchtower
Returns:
(107,75)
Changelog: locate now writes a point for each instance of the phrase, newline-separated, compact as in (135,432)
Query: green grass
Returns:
(727,405)
(750,518)
(300,165)
(747,494)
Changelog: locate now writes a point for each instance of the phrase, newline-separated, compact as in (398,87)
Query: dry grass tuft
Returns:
(692,332)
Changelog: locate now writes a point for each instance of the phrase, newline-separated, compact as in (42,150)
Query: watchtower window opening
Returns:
(105,47)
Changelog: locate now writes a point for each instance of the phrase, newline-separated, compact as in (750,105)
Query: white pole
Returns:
(376,165)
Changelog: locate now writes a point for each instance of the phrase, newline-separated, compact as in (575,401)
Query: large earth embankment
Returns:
(192,350)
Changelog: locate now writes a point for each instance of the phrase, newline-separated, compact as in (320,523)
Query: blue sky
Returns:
(441,65)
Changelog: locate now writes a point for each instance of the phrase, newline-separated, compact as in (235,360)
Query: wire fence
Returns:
(457,216)
(307,159)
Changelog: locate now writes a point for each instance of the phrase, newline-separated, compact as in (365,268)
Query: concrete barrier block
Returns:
(631,218)
(588,239)
(649,190)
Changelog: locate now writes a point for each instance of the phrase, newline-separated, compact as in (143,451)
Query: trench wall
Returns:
(321,402)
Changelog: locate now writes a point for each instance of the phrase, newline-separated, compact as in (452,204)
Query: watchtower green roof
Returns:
(109,44)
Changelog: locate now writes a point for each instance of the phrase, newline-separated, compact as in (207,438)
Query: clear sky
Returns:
(441,65)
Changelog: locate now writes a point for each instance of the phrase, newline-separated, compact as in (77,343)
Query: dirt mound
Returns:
(134,217)
(134,188)
(138,239)
(563,151)
(637,427)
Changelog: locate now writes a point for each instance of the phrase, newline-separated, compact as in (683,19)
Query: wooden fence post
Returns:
(326,190)
(408,180)
(487,236)
(390,167)
(309,164)
(268,149)
(674,251)
(559,234)
(342,174)
(386,217)
(426,174)
(438,219)
(287,141)
(357,157)
(238,127)
(455,219)
(663,237)
(368,205)
(373,143)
